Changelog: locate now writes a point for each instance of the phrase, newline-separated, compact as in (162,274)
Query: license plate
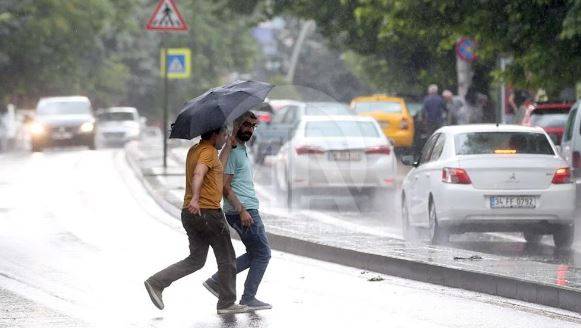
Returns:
(513,202)
(62,135)
(345,156)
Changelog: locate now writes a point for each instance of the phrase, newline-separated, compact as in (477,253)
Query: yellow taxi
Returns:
(392,115)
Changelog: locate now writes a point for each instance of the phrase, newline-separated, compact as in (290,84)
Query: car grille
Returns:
(63,129)
(114,134)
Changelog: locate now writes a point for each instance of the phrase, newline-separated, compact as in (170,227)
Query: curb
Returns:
(497,285)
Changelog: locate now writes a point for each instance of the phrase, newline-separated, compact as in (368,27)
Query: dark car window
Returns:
(570,125)
(427,150)
(291,115)
(279,116)
(438,148)
(477,143)
(116,116)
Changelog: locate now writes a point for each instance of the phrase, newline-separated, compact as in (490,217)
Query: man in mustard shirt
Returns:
(204,223)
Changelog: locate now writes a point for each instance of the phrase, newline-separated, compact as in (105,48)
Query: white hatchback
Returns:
(490,178)
(336,153)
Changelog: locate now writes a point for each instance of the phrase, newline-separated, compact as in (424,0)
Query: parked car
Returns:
(490,178)
(325,154)
(63,121)
(118,125)
(271,136)
(551,116)
(571,143)
(392,114)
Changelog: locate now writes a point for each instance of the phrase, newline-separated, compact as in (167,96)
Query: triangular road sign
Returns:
(166,17)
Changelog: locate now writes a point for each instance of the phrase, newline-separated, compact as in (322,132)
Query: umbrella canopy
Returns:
(217,107)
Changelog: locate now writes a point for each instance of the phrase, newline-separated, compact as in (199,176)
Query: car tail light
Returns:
(455,176)
(562,175)
(309,150)
(378,150)
(404,124)
(576,159)
(265,118)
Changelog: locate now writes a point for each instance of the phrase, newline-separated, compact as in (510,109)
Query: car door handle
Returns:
(427,175)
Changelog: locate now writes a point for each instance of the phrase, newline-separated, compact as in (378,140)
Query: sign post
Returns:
(166,18)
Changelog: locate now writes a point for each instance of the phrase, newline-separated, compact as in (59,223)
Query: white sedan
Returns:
(336,153)
(490,178)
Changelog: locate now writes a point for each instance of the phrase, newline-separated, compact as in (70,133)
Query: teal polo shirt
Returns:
(242,183)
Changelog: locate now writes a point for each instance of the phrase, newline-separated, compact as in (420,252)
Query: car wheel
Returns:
(563,238)
(293,196)
(409,232)
(437,234)
(92,145)
(532,238)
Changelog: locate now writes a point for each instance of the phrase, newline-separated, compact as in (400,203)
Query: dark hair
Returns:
(245,116)
(209,134)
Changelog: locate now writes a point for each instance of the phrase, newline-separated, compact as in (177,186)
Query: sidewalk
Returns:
(547,284)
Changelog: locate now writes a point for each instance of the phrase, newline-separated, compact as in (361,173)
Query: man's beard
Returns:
(243,136)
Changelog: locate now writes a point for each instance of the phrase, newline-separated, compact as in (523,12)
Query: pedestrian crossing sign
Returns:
(166,17)
(178,63)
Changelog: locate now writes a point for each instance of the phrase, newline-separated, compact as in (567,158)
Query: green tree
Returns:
(406,43)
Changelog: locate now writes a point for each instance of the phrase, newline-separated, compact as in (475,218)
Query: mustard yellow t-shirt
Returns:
(211,192)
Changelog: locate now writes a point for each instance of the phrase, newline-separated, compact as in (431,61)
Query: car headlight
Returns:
(87,127)
(37,128)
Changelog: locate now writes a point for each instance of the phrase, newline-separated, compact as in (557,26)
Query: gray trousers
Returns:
(208,229)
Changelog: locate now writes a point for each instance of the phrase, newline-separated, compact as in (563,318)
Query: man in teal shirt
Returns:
(241,208)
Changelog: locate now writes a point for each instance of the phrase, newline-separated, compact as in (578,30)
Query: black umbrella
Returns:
(217,107)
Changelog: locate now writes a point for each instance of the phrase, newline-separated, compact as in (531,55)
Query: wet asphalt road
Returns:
(78,235)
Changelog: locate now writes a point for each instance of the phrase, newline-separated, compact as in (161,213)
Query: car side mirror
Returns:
(559,150)
(409,160)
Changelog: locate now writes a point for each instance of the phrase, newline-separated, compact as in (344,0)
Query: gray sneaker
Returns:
(255,305)
(212,286)
(234,308)
(155,294)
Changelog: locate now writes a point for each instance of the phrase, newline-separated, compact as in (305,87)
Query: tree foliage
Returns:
(407,43)
(100,48)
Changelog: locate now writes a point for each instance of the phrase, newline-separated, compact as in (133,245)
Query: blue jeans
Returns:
(257,253)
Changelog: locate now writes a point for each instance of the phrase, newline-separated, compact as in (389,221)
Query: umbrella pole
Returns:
(165,101)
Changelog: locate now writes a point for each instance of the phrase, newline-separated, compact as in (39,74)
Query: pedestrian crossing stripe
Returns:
(166,17)
(178,63)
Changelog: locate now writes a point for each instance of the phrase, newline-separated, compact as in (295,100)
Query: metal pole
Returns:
(165,100)
(307,26)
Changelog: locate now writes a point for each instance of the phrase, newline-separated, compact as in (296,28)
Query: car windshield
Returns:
(64,108)
(116,116)
(378,106)
(477,143)
(334,129)
(327,109)
(414,108)
(549,118)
